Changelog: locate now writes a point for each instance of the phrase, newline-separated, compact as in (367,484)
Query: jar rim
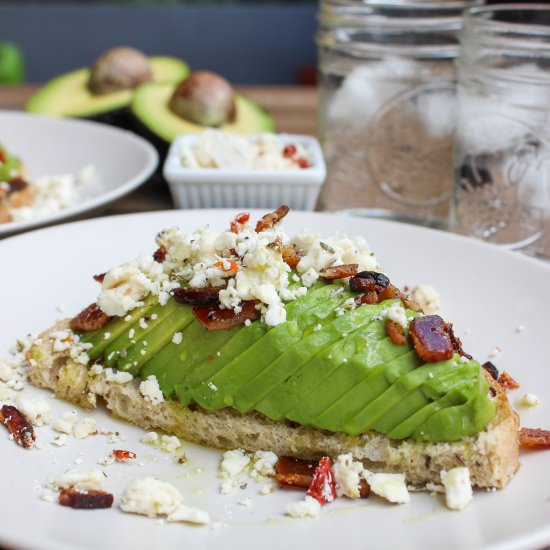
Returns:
(479,16)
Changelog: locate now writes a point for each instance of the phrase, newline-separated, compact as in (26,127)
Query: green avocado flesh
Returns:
(150,106)
(326,366)
(68,94)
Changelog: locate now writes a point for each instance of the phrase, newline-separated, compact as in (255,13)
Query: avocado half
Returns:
(150,106)
(68,94)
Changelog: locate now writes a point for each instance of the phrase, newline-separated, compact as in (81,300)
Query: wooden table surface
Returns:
(293,108)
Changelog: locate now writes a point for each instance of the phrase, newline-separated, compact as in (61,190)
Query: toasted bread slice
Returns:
(491,455)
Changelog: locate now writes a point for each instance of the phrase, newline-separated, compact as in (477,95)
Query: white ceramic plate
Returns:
(486,292)
(52,146)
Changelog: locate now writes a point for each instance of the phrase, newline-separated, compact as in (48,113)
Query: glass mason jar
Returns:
(387,116)
(502,146)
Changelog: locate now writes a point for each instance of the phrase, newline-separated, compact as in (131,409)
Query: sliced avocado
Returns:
(150,106)
(68,94)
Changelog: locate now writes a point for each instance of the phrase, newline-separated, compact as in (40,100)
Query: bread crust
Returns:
(491,455)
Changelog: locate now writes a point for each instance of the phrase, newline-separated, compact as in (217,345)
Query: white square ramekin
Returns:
(248,188)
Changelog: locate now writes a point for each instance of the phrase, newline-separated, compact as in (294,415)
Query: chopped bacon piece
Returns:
(340,271)
(322,487)
(228,266)
(17,184)
(122,455)
(430,340)
(89,319)
(369,280)
(214,318)
(99,278)
(534,438)
(295,472)
(370,297)
(491,369)
(291,256)
(269,220)
(457,344)
(395,332)
(18,426)
(197,297)
(364,488)
(507,382)
(240,219)
(85,500)
(389,293)
(160,254)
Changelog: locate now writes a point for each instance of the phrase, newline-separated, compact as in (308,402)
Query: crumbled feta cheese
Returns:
(177,338)
(347,476)
(520,329)
(65,422)
(267,488)
(189,514)
(234,462)
(60,440)
(227,486)
(309,277)
(458,489)
(264,463)
(150,438)
(84,428)
(118,377)
(150,497)
(170,443)
(495,353)
(396,314)
(530,400)
(37,411)
(150,390)
(307,508)
(81,479)
(246,502)
(392,487)
(427,297)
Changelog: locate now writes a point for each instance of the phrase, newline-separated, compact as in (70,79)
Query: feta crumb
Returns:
(118,377)
(309,277)
(85,428)
(246,502)
(495,353)
(392,487)
(60,440)
(530,400)
(177,338)
(267,488)
(264,463)
(427,298)
(65,422)
(307,508)
(234,462)
(396,314)
(189,514)
(150,390)
(81,479)
(150,497)
(520,329)
(227,486)
(150,438)
(458,489)
(169,443)
(37,411)
(347,476)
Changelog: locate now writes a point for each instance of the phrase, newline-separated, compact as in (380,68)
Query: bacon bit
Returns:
(85,500)
(18,426)
(369,280)
(233,267)
(269,220)
(303,162)
(370,297)
(291,256)
(17,184)
(240,219)
(160,254)
(430,340)
(395,332)
(507,382)
(295,472)
(197,297)
(289,151)
(214,318)
(322,487)
(99,278)
(491,369)
(534,438)
(122,455)
(389,293)
(455,341)
(89,319)
(340,271)
(364,488)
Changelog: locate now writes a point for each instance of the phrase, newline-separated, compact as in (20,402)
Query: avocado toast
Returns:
(249,339)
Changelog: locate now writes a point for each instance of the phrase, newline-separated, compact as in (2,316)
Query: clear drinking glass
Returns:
(502,145)
(387,116)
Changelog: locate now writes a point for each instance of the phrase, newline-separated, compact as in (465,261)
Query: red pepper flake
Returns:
(18,426)
(289,150)
(507,382)
(322,487)
(303,163)
(240,219)
(123,455)
(85,500)
(534,438)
